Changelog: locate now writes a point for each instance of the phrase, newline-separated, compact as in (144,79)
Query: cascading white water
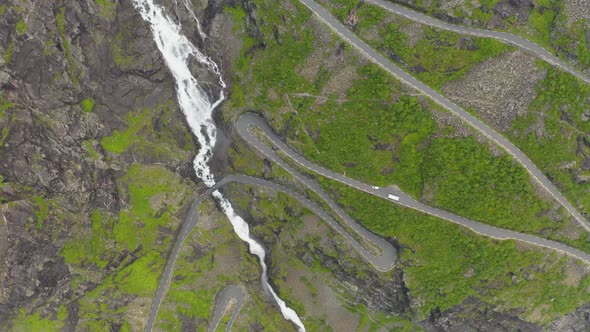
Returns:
(189,8)
(194,103)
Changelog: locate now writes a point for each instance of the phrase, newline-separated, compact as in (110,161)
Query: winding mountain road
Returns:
(223,300)
(247,121)
(383,262)
(504,37)
(471,120)
(388,255)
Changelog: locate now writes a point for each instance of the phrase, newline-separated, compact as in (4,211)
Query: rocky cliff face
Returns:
(578,320)
(473,315)
(86,107)
(70,75)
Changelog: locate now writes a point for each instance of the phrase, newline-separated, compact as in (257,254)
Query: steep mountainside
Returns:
(96,176)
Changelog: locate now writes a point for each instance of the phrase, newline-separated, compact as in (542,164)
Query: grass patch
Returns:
(33,322)
(151,190)
(364,136)
(87,105)
(60,21)
(4,105)
(120,141)
(89,146)
(467,179)
(108,8)
(560,108)
(153,133)
(438,57)
(442,253)
(275,69)
(141,277)
(42,207)
(7,55)
(119,56)
(21,27)
(94,249)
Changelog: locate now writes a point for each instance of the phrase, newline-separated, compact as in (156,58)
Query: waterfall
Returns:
(177,50)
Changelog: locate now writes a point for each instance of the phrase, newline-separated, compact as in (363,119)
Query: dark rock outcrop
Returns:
(388,295)
(578,320)
(473,315)
(518,9)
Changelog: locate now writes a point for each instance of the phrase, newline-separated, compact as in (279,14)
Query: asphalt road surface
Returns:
(248,121)
(387,257)
(504,37)
(231,293)
(383,262)
(396,71)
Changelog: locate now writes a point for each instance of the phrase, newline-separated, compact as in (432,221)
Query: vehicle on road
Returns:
(393,197)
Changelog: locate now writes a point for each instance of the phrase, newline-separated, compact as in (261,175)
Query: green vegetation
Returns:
(372,131)
(33,322)
(437,57)
(141,277)
(42,212)
(7,55)
(382,138)
(137,278)
(131,246)
(385,142)
(365,135)
(543,22)
(275,68)
(583,49)
(108,8)
(21,27)
(152,133)
(94,249)
(119,55)
(547,24)
(375,321)
(203,268)
(87,105)
(120,141)
(123,254)
(148,188)
(89,146)
(434,64)
(60,21)
(313,290)
(446,264)
(559,111)
(4,105)
(467,178)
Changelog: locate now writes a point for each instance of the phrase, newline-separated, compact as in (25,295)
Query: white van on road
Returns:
(393,197)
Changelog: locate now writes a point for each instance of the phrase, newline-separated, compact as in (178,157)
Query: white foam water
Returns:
(177,50)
